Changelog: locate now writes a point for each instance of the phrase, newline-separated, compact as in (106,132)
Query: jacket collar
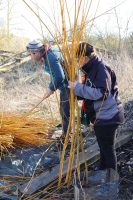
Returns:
(89,66)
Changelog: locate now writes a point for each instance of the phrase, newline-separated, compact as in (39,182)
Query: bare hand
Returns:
(48,93)
(72,84)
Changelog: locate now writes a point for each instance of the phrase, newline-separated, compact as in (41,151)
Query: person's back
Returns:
(53,66)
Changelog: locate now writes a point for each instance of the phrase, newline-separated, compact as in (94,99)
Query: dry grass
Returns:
(16,94)
(122,66)
(13,43)
(24,132)
(23,87)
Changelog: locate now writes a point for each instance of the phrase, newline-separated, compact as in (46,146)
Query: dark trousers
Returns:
(106,135)
(65,109)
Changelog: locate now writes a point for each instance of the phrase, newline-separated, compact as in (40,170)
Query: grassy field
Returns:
(25,85)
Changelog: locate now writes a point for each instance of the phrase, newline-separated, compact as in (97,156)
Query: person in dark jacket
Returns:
(52,66)
(101,103)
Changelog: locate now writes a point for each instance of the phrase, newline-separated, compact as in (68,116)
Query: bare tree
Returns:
(10,6)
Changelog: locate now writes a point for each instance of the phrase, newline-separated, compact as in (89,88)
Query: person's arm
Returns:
(56,72)
(85,91)
(101,89)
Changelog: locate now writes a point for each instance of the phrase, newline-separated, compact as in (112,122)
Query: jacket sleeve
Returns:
(56,72)
(87,92)
(101,86)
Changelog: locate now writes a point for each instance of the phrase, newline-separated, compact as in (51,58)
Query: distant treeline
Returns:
(110,44)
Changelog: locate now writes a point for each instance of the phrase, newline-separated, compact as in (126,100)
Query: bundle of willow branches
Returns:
(23,132)
(75,22)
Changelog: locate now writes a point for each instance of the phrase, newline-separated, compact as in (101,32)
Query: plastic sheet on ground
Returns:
(103,185)
(22,164)
(7,197)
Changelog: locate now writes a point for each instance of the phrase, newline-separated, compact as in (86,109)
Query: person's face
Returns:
(82,61)
(36,56)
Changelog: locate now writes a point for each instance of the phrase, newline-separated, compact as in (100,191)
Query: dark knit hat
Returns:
(35,46)
(84,49)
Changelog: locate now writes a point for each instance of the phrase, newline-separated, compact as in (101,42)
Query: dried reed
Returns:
(20,132)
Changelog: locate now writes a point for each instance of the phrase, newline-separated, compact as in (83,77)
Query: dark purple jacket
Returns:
(100,93)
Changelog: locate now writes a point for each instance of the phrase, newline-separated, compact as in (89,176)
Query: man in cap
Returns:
(44,53)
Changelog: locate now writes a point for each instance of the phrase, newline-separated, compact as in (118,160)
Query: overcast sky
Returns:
(24,22)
